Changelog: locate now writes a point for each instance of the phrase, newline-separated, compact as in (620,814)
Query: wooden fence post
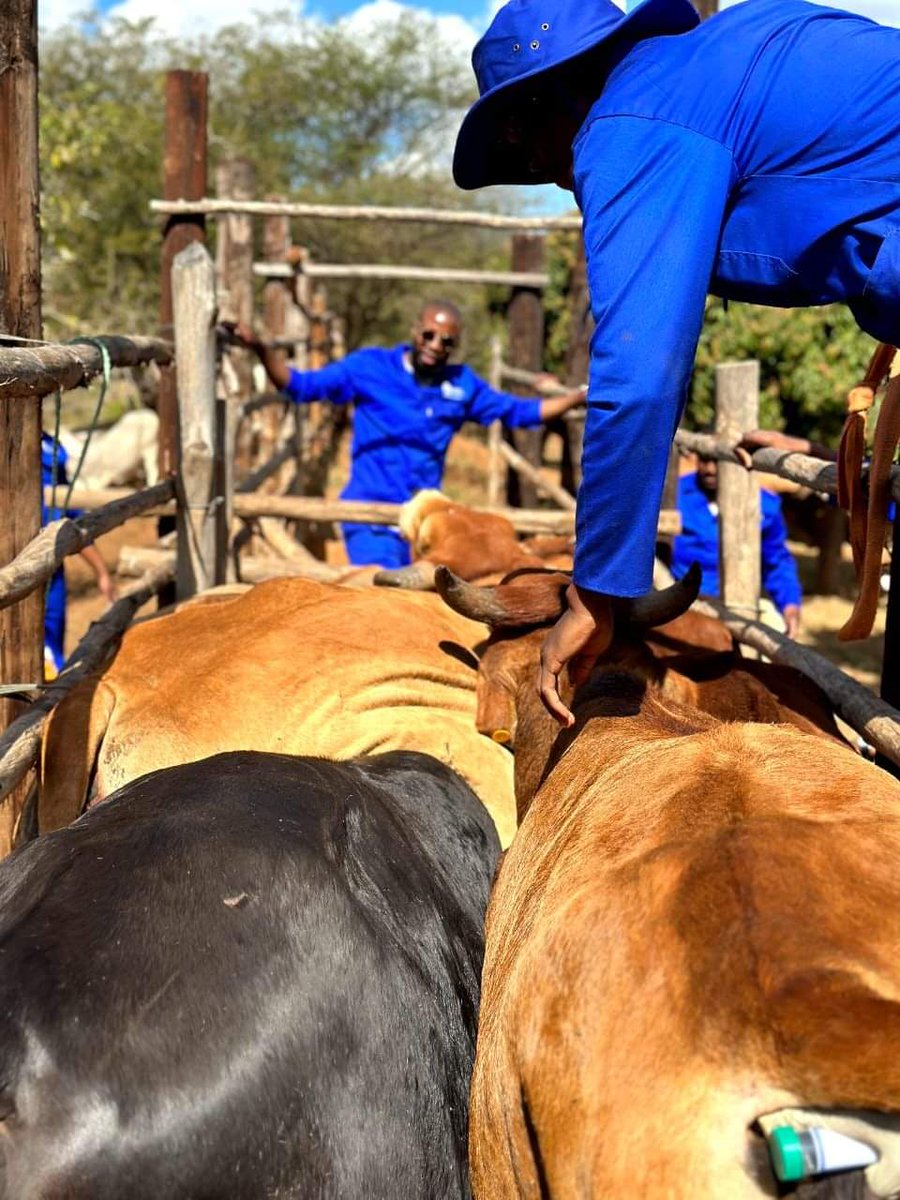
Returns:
(525,320)
(737,410)
(496,484)
(200,512)
(236,179)
(22,625)
(184,177)
(276,302)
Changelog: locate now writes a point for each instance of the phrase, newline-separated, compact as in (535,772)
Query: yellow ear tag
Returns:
(502,736)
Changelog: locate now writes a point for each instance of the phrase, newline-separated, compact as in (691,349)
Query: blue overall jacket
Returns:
(55,602)
(756,156)
(401,430)
(699,542)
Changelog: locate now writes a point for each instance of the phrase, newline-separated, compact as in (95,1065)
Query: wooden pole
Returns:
(525,320)
(364,212)
(737,410)
(37,371)
(184,176)
(496,489)
(533,476)
(402,271)
(36,563)
(234,276)
(22,626)
(199,510)
(276,301)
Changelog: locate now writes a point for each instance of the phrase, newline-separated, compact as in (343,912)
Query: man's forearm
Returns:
(555,406)
(276,365)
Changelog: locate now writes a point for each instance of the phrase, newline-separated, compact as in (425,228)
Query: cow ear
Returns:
(495,694)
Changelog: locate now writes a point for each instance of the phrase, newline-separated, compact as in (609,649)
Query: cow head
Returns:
(519,611)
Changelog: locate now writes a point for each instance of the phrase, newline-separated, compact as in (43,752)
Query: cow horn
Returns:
(478,603)
(658,608)
(417,578)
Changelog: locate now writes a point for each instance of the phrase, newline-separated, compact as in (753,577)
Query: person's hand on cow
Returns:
(791,616)
(581,634)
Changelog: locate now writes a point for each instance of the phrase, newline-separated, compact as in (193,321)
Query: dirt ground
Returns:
(465,480)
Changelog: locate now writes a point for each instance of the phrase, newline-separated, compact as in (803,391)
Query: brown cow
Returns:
(689,657)
(697,925)
(292,666)
(474,545)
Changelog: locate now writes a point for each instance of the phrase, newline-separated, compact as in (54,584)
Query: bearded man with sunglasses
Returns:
(408,403)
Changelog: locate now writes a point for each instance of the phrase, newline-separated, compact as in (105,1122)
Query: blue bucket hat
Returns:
(526,39)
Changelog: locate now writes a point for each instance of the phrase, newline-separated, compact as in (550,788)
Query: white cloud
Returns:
(370,18)
(191,18)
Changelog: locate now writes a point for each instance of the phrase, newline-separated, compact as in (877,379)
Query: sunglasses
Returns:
(447,340)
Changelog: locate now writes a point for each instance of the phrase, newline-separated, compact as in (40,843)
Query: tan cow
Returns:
(474,545)
(292,666)
(698,924)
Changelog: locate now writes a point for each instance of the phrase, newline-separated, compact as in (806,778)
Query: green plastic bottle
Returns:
(799,1153)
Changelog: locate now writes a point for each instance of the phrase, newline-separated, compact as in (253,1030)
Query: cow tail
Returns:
(69,752)
(504,1151)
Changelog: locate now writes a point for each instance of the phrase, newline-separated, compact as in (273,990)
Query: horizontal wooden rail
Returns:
(803,469)
(267,470)
(355,512)
(41,369)
(34,565)
(360,212)
(876,721)
(533,475)
(525,279)
(137,560)
(20,743)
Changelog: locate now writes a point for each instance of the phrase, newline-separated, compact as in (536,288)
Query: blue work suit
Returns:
(699,542)
(756,156)
(55,600)
(401,431)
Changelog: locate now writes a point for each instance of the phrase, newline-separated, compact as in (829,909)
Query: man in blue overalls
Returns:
(408,403)
(699,542)
(756,156)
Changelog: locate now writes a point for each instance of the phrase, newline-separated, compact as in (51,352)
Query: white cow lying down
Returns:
(118,455)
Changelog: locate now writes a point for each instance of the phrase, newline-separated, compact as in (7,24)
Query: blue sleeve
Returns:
(653,197)
(779,571)
(333,383)
(516,412)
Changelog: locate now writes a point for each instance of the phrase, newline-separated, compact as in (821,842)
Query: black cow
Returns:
(251,976)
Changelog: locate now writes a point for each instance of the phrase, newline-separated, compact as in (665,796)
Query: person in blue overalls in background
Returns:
(55,601)
(408,403)
(756,156)
(699,542)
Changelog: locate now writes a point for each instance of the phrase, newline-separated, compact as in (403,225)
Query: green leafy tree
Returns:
(322,115)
